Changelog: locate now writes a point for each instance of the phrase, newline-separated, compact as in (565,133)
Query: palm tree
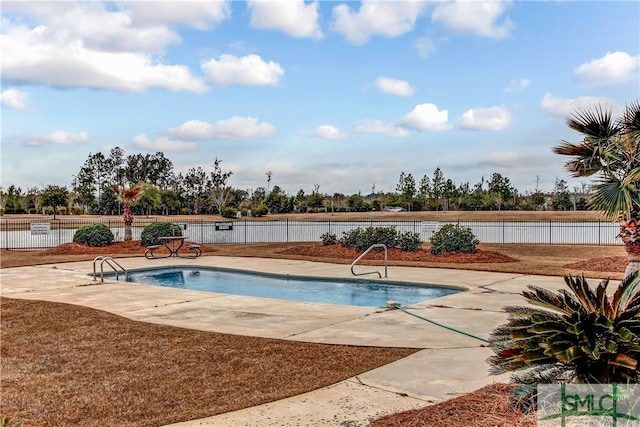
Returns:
(128,197)
(610,150)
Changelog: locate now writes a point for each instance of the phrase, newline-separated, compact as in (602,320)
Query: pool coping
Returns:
(405,384)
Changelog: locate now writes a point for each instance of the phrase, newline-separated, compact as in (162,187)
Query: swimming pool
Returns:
(349,292)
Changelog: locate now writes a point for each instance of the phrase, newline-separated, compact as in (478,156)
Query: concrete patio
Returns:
(448,365)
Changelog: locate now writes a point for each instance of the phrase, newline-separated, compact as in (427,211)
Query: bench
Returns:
(196,249)
(148,254)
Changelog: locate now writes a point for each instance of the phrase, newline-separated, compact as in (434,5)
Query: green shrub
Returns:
(261,210)
(94,235)
(349,238)
(409,241)
(581,336)
(228,211)
(362,239)
(152,231)
(453,238)
(329,239)
(77,210)
(376,235)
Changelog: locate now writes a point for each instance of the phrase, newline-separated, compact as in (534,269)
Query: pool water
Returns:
(349,292)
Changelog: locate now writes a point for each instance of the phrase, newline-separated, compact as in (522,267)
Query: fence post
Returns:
(287,224)
(503,231)
(549,231)
(245,230)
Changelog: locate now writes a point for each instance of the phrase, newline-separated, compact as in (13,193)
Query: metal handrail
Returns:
(377,245)
(109,261)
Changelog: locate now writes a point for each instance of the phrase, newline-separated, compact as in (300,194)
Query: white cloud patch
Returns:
(425,47)
(474,18)
(56,137)
(377,126)
(201,15)
(426,117)
(394,86)
(386,18)
(564,107)
(233,128)
(492,118)
(250,70)
(293,17)
(14,99)
(517,85)
(162,144)
(613,68)
(89,47)
(501,159)
(329,132)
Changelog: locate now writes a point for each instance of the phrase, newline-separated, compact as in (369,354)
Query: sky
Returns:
(342,95)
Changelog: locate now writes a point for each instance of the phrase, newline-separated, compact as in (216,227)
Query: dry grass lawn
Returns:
(69,365)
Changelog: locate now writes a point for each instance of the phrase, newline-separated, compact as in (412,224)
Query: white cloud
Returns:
(329,132)
(564,107)
(613,68)
(394,86)
(426,117)
(377,126)
(386,18)
(14,99)
(293,17)
(162,144)
(45,55)
(201,15)
(492,118)
(474,17)
(501,159)
(517,85)
(233,128)
(248,70)
(425,47)
(55,137)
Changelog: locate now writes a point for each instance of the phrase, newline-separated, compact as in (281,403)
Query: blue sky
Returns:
(343,95)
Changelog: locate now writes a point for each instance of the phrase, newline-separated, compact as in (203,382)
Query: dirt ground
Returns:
(77,366)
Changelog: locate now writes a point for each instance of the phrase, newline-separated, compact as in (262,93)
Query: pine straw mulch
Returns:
(488,406)
(70,365)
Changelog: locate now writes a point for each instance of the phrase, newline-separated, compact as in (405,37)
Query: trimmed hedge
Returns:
(152,231)
(93,235)
(453,238)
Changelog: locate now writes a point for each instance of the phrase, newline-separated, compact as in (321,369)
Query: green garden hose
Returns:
(443,326)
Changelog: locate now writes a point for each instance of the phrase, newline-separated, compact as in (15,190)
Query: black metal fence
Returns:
(47,232)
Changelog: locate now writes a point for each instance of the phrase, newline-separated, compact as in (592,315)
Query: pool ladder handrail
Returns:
(109,261)
(377,245)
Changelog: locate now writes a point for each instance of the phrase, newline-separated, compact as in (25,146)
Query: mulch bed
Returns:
(488,406)
(600,264)
(341,252)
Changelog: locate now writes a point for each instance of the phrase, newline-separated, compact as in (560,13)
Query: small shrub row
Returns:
(362,239)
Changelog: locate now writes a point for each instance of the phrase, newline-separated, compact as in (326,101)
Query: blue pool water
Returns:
(349,292)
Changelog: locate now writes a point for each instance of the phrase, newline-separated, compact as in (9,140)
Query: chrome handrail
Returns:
(377,245)
(109,261)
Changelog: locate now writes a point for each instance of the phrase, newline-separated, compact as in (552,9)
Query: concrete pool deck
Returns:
(449,364)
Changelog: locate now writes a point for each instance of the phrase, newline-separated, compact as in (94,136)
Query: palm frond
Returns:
(630,120)
(596,123)
(611,196)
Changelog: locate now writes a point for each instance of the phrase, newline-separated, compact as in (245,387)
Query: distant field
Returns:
(351,216)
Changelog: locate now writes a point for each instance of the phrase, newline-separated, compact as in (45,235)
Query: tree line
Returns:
(201,191)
